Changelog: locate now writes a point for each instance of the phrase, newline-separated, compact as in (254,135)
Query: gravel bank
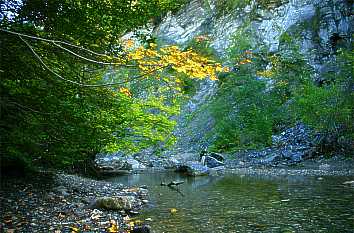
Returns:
(61,203)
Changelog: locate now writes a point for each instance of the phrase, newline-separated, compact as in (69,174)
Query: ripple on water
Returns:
(247,203)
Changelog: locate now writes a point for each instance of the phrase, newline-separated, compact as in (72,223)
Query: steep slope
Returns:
(319,29)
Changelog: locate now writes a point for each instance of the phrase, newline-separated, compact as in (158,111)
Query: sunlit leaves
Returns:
(125,91)
(113,227)
(187,62)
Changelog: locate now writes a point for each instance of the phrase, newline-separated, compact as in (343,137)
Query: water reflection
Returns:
(248,203)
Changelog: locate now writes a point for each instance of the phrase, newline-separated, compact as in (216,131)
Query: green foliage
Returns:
(47,121)
(201,44)
(171,5)
(270,92)
(93,24)
(267,4)
(245,113)
(246,108)
(328,108)
(224,7)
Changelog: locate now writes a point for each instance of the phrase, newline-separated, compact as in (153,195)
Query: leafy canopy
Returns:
(71,88)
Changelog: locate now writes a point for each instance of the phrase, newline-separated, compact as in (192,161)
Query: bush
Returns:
(328,108)
(270,92)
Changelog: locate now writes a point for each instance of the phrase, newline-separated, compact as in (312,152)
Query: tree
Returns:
(70,88)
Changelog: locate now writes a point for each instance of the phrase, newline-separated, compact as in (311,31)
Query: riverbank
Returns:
(59,202)
(320,166)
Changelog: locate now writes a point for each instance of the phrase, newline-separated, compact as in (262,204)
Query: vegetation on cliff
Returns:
(268,92)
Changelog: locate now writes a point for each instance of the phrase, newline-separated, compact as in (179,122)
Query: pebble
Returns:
(42,204)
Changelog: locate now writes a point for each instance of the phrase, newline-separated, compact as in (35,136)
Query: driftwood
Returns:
(172,183)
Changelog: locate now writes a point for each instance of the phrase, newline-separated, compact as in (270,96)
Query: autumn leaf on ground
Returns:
(173,210)
(131,224)
(74,229)
(113,228)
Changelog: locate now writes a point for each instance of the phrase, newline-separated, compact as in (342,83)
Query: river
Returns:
(257,203)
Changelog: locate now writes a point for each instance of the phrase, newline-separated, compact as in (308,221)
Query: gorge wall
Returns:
(319,27)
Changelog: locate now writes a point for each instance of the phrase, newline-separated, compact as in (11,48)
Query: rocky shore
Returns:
(58,202)
(69,203)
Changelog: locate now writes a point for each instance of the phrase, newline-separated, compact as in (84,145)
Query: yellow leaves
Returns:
(131,224)
(152,60)
(113,228)
(191,63)
(265,73)
(74,229)
(125,91)
(137,222)
(137,54)
(152,45)
(173,210)
(218,68)
(226,69)
(213,78)
(129,43)
(245,61)
(246,57)
(151,53)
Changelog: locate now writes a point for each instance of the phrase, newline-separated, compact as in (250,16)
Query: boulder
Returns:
(271,159)
(217,156)
(293,156)
(116,163)
(116,203)
(214,155)
(193,168)
(132,164)
(299,135)
(211,162)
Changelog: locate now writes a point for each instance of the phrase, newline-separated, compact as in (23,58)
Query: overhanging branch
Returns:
(83,84)
(58,43)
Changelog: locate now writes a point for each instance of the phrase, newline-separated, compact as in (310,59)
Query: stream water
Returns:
(235,203)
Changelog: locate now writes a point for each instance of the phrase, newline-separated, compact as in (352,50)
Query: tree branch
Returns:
(83,84)
(28,108)
(57,44)
(54,41)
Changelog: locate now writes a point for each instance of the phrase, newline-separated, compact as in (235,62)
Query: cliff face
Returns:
(318,27)
(321,26)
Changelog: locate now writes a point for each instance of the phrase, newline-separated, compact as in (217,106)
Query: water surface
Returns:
(234,203)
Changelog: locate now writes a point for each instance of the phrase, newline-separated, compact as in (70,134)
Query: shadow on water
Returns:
(247,203)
